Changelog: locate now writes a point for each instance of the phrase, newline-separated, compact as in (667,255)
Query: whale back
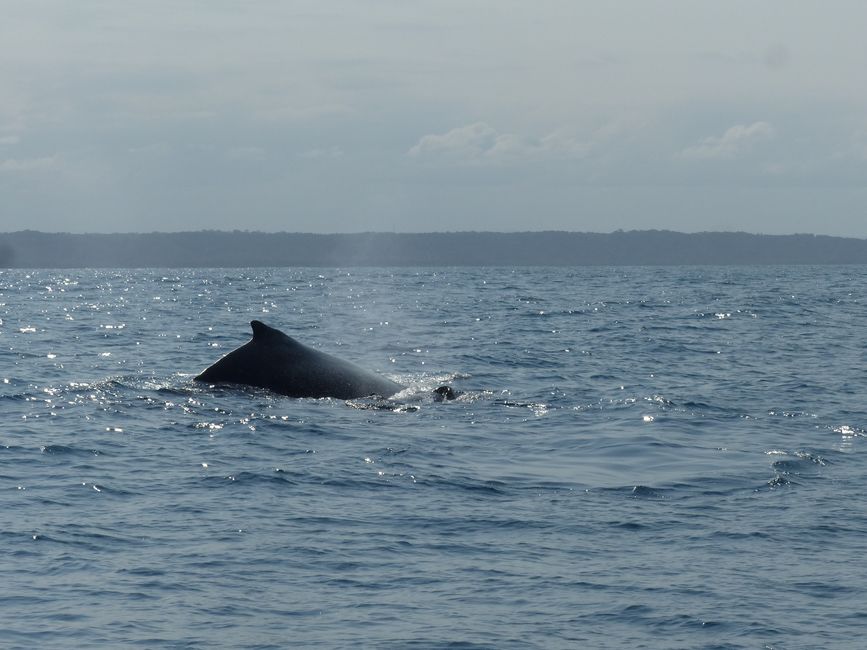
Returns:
(276,361)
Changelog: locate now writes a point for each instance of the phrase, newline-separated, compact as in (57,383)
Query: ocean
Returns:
(641,457)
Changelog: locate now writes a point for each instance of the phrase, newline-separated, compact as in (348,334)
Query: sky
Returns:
(423,115)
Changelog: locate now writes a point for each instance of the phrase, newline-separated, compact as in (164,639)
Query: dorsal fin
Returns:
(262,331)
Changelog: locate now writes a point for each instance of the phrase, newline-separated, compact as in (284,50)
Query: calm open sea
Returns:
(642,458)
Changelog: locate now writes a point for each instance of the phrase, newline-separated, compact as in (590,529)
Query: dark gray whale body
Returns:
(279,363)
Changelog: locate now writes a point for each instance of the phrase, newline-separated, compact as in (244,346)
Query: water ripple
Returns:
(641,457)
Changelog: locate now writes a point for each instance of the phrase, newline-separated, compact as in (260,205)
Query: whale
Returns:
(276,361)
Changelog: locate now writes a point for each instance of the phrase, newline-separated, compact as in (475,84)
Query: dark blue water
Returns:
(642,458)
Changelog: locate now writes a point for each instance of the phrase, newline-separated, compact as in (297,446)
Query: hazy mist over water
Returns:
(641,457)
(239,249)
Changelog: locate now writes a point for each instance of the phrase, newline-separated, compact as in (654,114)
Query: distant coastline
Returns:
(31,249)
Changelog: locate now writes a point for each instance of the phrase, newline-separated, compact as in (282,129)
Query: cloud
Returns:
(479,143)
(468,142)
(18,165)
(730,144)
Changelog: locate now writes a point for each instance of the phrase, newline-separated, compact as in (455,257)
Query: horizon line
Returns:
(432,232)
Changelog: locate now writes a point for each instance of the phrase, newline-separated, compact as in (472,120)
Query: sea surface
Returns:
(667,457)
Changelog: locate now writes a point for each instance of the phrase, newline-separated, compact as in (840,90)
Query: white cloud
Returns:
(470,142)
(19,165)
(730,144)
(479,143)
